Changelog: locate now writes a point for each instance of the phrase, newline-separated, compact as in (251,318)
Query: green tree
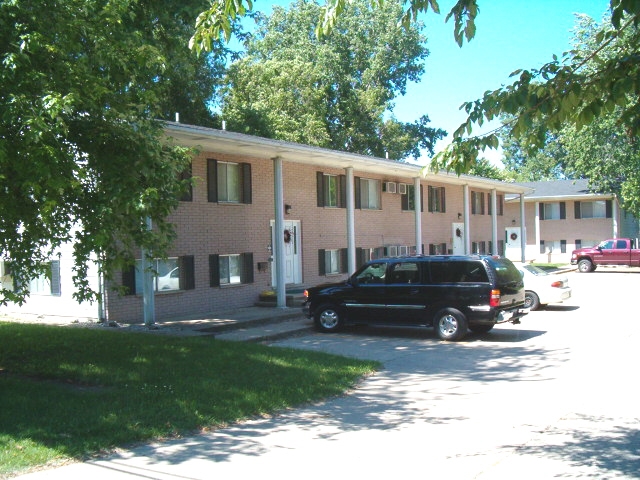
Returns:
(484,168)
(333,92)
(81,152)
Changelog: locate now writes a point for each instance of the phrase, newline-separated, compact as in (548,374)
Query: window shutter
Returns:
(489,212)
(404,201)
(430,200)
(563,210)
(246,275)
(541,246)
(246,183)
(187,272)
(576,207)
(482,195)
(214,270)
(357,188)
(359,257)
(212,180)
(320,188)
(342,188)
(609,207)
(129,280)
(432,249)
(563,246)
(344,261)
(421,199)
(443,199)
(541,210)
(55,278)
(322,268)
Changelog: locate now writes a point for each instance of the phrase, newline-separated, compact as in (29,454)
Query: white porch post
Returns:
(351,230)
(614,214)
(278,247)
(536,226)
(494,222)
(148,292)
(418,214)
(523,233)
(466,210)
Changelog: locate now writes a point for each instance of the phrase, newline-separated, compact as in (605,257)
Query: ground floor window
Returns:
(230,269)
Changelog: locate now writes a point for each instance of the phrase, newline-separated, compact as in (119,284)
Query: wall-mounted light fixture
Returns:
(513,221)
(287,209)
(459,215)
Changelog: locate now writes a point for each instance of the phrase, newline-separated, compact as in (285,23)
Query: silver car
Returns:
(542,288)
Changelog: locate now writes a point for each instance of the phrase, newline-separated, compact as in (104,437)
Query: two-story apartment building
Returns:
(267,214)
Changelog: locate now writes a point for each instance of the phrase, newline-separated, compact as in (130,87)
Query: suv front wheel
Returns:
(450,324)
(328,318)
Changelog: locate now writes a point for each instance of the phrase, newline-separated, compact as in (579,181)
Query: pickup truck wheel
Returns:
(585,266)
(450,324)
(328,318)
(531,300)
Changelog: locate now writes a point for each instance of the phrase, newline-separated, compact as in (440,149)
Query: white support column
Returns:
(418,214)
(351,229)
(148,292)
(278,248)
(466,210)
(614,214)
(494,222)
(523,233)
(536,226)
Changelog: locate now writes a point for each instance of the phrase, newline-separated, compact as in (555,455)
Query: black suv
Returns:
(451,293)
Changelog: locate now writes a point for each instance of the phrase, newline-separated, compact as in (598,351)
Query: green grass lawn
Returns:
(76,392)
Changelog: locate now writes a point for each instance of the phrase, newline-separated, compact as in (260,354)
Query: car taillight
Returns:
(305,294)
(494,301)
(557,284)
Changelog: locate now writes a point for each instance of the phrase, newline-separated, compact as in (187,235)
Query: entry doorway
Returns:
(512,244)
(292,252)
(457,234)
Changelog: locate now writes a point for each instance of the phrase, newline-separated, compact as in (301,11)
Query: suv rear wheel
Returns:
(328,318)
(450,324)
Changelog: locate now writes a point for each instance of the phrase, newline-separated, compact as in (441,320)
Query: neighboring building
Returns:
(563,215)
(269,214)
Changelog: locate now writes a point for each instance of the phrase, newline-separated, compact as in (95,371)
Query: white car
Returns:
(542,288)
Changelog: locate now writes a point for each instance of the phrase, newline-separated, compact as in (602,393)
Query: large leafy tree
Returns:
(334,92)
(81,152)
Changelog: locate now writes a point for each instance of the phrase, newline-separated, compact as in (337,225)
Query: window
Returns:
(230,269)
(407,200)
(331,190)
(331,262)
(553,246)
(552,211)
(228,182)
(477,203)
(367,194)
(405,272)
(436,200)
(499,205)
(171,274)
(47,283)
(437,249)
(595,209)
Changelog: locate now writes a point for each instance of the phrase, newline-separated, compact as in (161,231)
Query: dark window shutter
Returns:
(187,195)
(322,266)
(489,212)
(344,261)
(342,189)
(212,180)
(443,199)
(563,246)
(404,201)
(359,257)
(187,272)
(563,210)
(541,211)
(576,209)
(482,195)
(430,205)
(357,192)
(129,280)
(541,246)
(55,278)
(609,207)
(246,275)
(421,199)
(214,270)
(246,183)
(432,249)
(320,188)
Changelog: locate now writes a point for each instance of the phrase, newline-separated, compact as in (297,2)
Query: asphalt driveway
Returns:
(556,396)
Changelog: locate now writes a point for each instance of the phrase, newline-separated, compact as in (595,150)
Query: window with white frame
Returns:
(408,199)
(369,194)
(228,182)
(477,203)
(166,275)
(595,209)
(48,283)
(331,190)
(332,261)
(552,211)
(230,268)
(436,200)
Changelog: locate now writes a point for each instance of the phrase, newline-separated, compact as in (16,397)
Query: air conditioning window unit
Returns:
(390,187)
(402,188)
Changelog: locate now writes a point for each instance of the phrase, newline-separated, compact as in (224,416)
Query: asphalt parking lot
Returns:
(554,397)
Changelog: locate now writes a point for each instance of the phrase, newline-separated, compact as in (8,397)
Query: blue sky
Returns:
(511,34)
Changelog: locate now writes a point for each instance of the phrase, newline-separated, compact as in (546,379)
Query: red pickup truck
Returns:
(615,251)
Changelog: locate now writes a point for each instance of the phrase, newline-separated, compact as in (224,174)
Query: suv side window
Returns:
(456,272)
(405,272)
(372,274)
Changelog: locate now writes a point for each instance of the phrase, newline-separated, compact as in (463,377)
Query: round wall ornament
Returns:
(514,236)
(287,236)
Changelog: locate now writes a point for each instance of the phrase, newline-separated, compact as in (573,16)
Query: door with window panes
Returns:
(292,257)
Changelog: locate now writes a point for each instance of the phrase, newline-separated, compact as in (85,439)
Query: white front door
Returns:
(458,238)
(512,245)
(292,248)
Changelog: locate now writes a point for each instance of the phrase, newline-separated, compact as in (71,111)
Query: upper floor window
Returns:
(408,200)
(477,203)
(553,211)
(594,209)
(436,200)
(228,182)
(368,194)
(331,190)
(499,205)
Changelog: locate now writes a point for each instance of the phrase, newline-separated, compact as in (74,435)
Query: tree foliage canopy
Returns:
(81,156)
(333,92)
